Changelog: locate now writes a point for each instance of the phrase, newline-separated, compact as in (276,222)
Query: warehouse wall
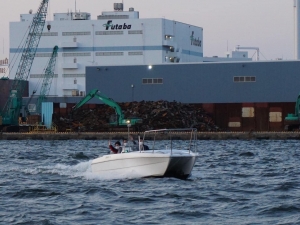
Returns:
(275,81)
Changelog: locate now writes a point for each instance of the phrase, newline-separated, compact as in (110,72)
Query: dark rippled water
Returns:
(233,182)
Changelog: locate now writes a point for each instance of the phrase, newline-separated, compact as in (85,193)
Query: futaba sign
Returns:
(4,62)
(195,41)
(112,26)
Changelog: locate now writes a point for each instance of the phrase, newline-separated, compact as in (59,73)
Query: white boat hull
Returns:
(157,163)
(135,164)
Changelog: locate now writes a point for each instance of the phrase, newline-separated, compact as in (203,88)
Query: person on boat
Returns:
(136,146)
(125,141)
(115,150)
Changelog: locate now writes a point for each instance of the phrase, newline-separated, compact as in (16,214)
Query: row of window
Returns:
(73,75)
(50,34)
(76,54)
(83,54)
(56,75)
(152,81)
(109,32)
(89,33)
(135,53)
(244,79)
(48,55)
(75,33)
(144,80)
(109,53)
(41,75)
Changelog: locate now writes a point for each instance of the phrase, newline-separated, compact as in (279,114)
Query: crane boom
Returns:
(12,108)
(49,73)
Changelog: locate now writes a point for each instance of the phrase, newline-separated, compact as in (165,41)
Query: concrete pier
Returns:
(175,136)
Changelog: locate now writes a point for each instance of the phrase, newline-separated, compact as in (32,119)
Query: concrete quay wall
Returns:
(175,136)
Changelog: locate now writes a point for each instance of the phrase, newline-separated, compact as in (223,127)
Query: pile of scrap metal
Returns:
(155,115)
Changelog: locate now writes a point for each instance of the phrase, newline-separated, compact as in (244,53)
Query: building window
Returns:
(73,75)
(135,32)
(109,32)
(75,33)
(135,53)
(244,79)
(109,53)
(50,34)
(152,81)
(76,54)
(43,55)
(41,75)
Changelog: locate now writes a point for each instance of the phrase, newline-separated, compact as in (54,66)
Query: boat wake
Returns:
(83,170)
(80,170)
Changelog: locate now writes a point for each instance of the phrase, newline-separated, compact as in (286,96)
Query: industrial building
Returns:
(116,38)
(133,59)
(240,95)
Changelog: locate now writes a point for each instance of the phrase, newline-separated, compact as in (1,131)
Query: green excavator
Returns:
(116,120)
(292,120)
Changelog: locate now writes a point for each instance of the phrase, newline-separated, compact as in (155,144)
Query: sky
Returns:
(266,24)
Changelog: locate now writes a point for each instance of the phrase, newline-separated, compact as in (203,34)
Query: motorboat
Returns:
(173,158)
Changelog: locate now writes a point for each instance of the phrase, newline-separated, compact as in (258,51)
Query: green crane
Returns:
(108,101)
(11,111)
(49,73)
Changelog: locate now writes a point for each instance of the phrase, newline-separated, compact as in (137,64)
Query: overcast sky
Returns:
(267,24)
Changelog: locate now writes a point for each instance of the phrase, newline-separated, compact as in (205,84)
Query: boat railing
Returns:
(170,134)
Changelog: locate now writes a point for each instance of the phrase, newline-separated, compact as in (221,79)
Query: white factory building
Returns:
(115,38)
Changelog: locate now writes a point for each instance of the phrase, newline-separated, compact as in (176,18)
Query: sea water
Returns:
(233,182)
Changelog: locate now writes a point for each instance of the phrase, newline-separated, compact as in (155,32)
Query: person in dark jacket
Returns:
(115,150)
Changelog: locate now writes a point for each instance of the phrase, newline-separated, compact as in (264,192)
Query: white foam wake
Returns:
(81,170)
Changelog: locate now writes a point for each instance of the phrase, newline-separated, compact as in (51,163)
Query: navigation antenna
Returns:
(75,7)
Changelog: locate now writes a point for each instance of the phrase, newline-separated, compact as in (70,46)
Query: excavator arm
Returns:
(113,104)
(108,101)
